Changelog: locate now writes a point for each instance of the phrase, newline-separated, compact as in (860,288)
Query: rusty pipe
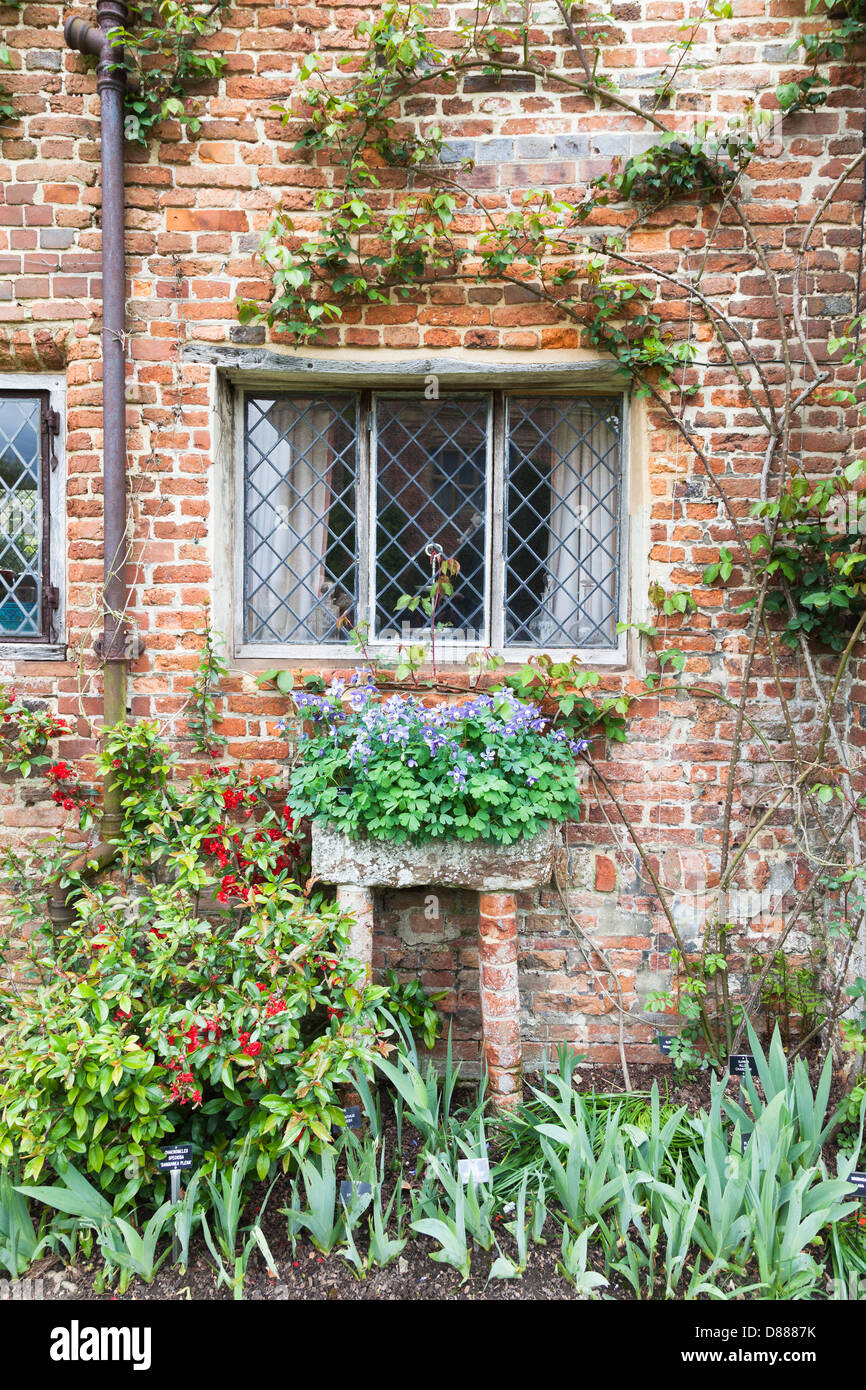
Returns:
(100,40)
(91,861)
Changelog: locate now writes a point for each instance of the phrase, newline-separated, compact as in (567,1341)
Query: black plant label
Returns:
(742,1064)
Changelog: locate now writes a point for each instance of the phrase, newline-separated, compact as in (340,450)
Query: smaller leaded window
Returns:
(345,496)
(26,597)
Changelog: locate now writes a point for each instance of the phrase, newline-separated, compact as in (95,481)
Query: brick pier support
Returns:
(500,1000)
(357,903)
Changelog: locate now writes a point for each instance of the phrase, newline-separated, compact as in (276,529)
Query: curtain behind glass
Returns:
(563,505)
(300,519)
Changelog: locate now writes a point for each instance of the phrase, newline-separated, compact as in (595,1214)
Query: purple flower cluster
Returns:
(405,724)
(490,766)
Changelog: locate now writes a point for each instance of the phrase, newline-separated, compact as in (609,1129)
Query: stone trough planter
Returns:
(495,872)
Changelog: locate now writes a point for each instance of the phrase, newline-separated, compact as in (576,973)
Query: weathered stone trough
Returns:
(495,872)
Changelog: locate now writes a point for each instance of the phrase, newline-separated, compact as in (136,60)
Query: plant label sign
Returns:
(352,1116)
(476,1168)
(664,1041)
(742,1064)
(859,1181)
(351,1190)
(177,1156)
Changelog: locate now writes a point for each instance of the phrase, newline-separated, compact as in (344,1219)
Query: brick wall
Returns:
(195,211)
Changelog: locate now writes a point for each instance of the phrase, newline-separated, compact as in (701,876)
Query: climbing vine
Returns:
(162,63)
(203,714)
(816,555)
(844,26)
(367,249)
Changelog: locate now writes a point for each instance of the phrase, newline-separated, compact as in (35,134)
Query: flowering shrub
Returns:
(199,996)
(26,729)
(491,768)
(141,1020)
(221,830)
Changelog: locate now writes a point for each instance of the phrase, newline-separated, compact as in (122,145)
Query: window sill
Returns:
(450,653)
(337,658)
(32,651)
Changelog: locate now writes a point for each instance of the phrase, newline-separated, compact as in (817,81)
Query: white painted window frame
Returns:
(58,542)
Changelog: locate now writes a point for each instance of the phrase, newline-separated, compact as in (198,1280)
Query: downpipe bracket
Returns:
(130,649)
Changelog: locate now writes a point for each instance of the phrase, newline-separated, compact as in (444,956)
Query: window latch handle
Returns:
(51,425)
(51,603)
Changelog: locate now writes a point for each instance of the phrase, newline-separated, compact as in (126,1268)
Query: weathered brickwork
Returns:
(195,213)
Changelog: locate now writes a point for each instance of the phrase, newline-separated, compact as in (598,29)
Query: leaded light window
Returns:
(346,495)
(27,599)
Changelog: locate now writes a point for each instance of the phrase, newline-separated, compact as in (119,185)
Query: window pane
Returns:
(300,533)
(20,517)
(562,523)
(431,488)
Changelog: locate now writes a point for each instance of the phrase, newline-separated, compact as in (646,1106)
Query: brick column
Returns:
(500,1001)
(358,903)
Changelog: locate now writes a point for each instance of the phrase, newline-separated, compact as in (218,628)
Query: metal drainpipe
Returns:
(112,646)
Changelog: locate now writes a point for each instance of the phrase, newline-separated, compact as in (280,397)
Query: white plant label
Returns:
(477,1168)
